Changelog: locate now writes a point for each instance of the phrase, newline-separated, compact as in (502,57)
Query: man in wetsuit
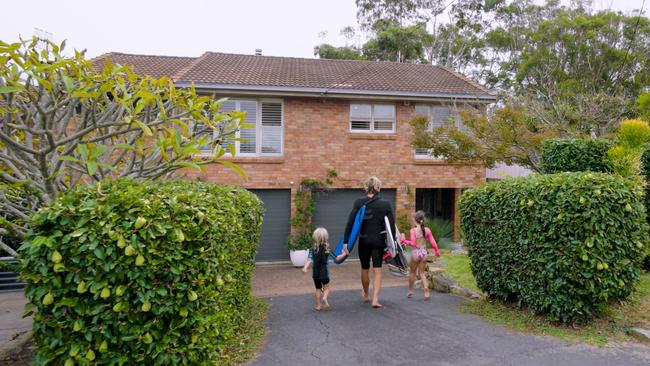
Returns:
(372,237)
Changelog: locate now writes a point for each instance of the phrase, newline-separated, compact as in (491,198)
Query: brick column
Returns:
(457,192)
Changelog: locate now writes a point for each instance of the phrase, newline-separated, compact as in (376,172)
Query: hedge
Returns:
(563,244)
(575,155)
(139,273)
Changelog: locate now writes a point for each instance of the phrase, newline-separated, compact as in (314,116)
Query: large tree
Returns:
(62,124)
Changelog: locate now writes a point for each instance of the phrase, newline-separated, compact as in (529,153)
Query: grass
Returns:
(250,338)
(611,328)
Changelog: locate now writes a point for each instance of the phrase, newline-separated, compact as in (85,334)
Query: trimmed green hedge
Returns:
(564,244)
(575,155)
(141,273)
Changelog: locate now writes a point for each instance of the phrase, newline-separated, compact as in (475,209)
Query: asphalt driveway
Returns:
(413,332)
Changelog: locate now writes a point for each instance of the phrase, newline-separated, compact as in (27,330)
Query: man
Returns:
(372,237)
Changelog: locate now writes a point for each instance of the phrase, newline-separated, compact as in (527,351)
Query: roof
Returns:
(223,71)
(149,65)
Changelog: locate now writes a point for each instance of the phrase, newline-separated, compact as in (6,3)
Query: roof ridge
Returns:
(145,55)
(466,79)
(185,69)
(322,59)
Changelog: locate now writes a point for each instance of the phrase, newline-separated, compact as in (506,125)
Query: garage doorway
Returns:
(276,225)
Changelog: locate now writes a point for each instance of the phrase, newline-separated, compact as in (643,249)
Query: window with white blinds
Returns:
(438,116)
(372,118)
(264,133)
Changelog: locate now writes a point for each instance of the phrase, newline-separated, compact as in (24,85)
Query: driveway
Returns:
(413,332)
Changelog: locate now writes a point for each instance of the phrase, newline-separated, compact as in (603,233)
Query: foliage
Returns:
(643,106)
(625,157)
(509,135)
(457,266)
(612,326)
(327,51)
(301,222)
(565,244)
(442,230)
(403,221)
(148,273)
(249,338)
(395,43)
(575,155)
(64,124)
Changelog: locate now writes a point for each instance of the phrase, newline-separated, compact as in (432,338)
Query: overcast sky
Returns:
(190,27)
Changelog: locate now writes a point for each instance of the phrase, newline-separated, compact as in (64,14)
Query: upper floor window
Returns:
(265,134)
(372,118)
(438,116)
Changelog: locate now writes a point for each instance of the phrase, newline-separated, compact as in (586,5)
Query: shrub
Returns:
(141,273)
(442,230)
(563,244)
(575,155)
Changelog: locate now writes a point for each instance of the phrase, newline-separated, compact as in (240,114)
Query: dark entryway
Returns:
(435,202)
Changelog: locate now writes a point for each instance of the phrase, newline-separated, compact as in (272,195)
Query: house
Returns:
(311,116)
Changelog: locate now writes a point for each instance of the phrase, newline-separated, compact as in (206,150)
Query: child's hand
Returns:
(304,269)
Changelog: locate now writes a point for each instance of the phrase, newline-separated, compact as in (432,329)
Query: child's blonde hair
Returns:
(321,238)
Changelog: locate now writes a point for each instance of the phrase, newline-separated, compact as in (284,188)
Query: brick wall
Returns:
(316,139)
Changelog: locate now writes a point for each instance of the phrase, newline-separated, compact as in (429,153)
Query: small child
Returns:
(319,254)
(420,234)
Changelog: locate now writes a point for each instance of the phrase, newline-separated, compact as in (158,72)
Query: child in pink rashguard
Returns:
(420,234)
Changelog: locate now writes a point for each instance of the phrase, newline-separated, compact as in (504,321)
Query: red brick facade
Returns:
(317,139)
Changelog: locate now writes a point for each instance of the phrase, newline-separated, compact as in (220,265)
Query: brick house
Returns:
(312,116)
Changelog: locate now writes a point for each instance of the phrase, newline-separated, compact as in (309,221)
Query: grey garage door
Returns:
(275,228)
(332,209)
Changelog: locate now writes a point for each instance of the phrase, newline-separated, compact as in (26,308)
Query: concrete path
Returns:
(12,323)
(413,332)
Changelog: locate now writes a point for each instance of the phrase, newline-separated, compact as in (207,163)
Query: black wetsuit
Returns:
(372,237)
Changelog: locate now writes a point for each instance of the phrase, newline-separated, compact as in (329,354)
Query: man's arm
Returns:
(348,226)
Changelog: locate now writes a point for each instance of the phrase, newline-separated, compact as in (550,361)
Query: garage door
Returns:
(332,209)
(275,228)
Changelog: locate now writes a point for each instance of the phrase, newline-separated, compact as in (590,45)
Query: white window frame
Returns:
(258,129)
(372,119)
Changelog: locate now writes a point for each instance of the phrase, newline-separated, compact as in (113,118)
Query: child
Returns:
(319,254)
(419,236)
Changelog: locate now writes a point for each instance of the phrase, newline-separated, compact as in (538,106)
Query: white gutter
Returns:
(332,92)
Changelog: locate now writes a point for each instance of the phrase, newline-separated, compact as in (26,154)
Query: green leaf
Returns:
(234,167)
(8,89)
(92,167)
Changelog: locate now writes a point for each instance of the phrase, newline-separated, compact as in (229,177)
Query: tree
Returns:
(64,124)
(327,51)
(396,43)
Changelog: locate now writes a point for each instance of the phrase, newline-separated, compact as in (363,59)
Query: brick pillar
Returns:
(457,192)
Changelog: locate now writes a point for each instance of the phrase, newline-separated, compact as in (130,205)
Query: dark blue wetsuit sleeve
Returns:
(353,214)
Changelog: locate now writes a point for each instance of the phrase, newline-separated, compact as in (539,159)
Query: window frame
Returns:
(452,113)
(258,129)
(372,119)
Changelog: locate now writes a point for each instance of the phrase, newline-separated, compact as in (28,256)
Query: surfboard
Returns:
(390,239)
(352,240)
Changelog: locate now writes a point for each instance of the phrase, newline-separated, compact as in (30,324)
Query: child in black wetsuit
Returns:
(318,255)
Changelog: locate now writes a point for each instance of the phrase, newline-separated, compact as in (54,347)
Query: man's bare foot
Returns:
(377,306)
(365,297)
(316,308)
(409,295)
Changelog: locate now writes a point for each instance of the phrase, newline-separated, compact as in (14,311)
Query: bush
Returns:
(442,230)
(141,273)
(564,244)
(575,155)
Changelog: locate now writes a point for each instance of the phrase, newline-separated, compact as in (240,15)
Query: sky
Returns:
(191,27)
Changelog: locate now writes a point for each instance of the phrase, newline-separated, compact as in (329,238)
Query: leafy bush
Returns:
(626,157)
(575,155)
(563,244)
(300,241)
(442,230)
(141,273)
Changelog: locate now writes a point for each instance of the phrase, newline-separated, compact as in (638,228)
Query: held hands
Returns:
(345,250)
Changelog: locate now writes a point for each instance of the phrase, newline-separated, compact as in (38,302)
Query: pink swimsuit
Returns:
(419,244)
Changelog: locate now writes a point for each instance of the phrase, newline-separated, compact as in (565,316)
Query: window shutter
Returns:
(271,128)
(227,106)
(440,116)
(249,145)
(384,117)
(360,117)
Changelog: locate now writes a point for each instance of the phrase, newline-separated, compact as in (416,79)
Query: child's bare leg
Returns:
(326,292)
(412,269)
(317,299)
(423,277)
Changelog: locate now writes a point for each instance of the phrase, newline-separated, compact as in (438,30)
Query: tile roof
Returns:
(156,66)
(218,69)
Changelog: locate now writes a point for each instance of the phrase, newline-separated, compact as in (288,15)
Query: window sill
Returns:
(429,161)
(255,159)
(372,136)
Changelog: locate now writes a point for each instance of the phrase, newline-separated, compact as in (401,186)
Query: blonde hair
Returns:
(321,238)
(372,185)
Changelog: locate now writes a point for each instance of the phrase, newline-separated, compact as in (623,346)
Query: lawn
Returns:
(611,328)
(250,337)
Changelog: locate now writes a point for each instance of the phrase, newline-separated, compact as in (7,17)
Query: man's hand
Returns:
(345,249)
